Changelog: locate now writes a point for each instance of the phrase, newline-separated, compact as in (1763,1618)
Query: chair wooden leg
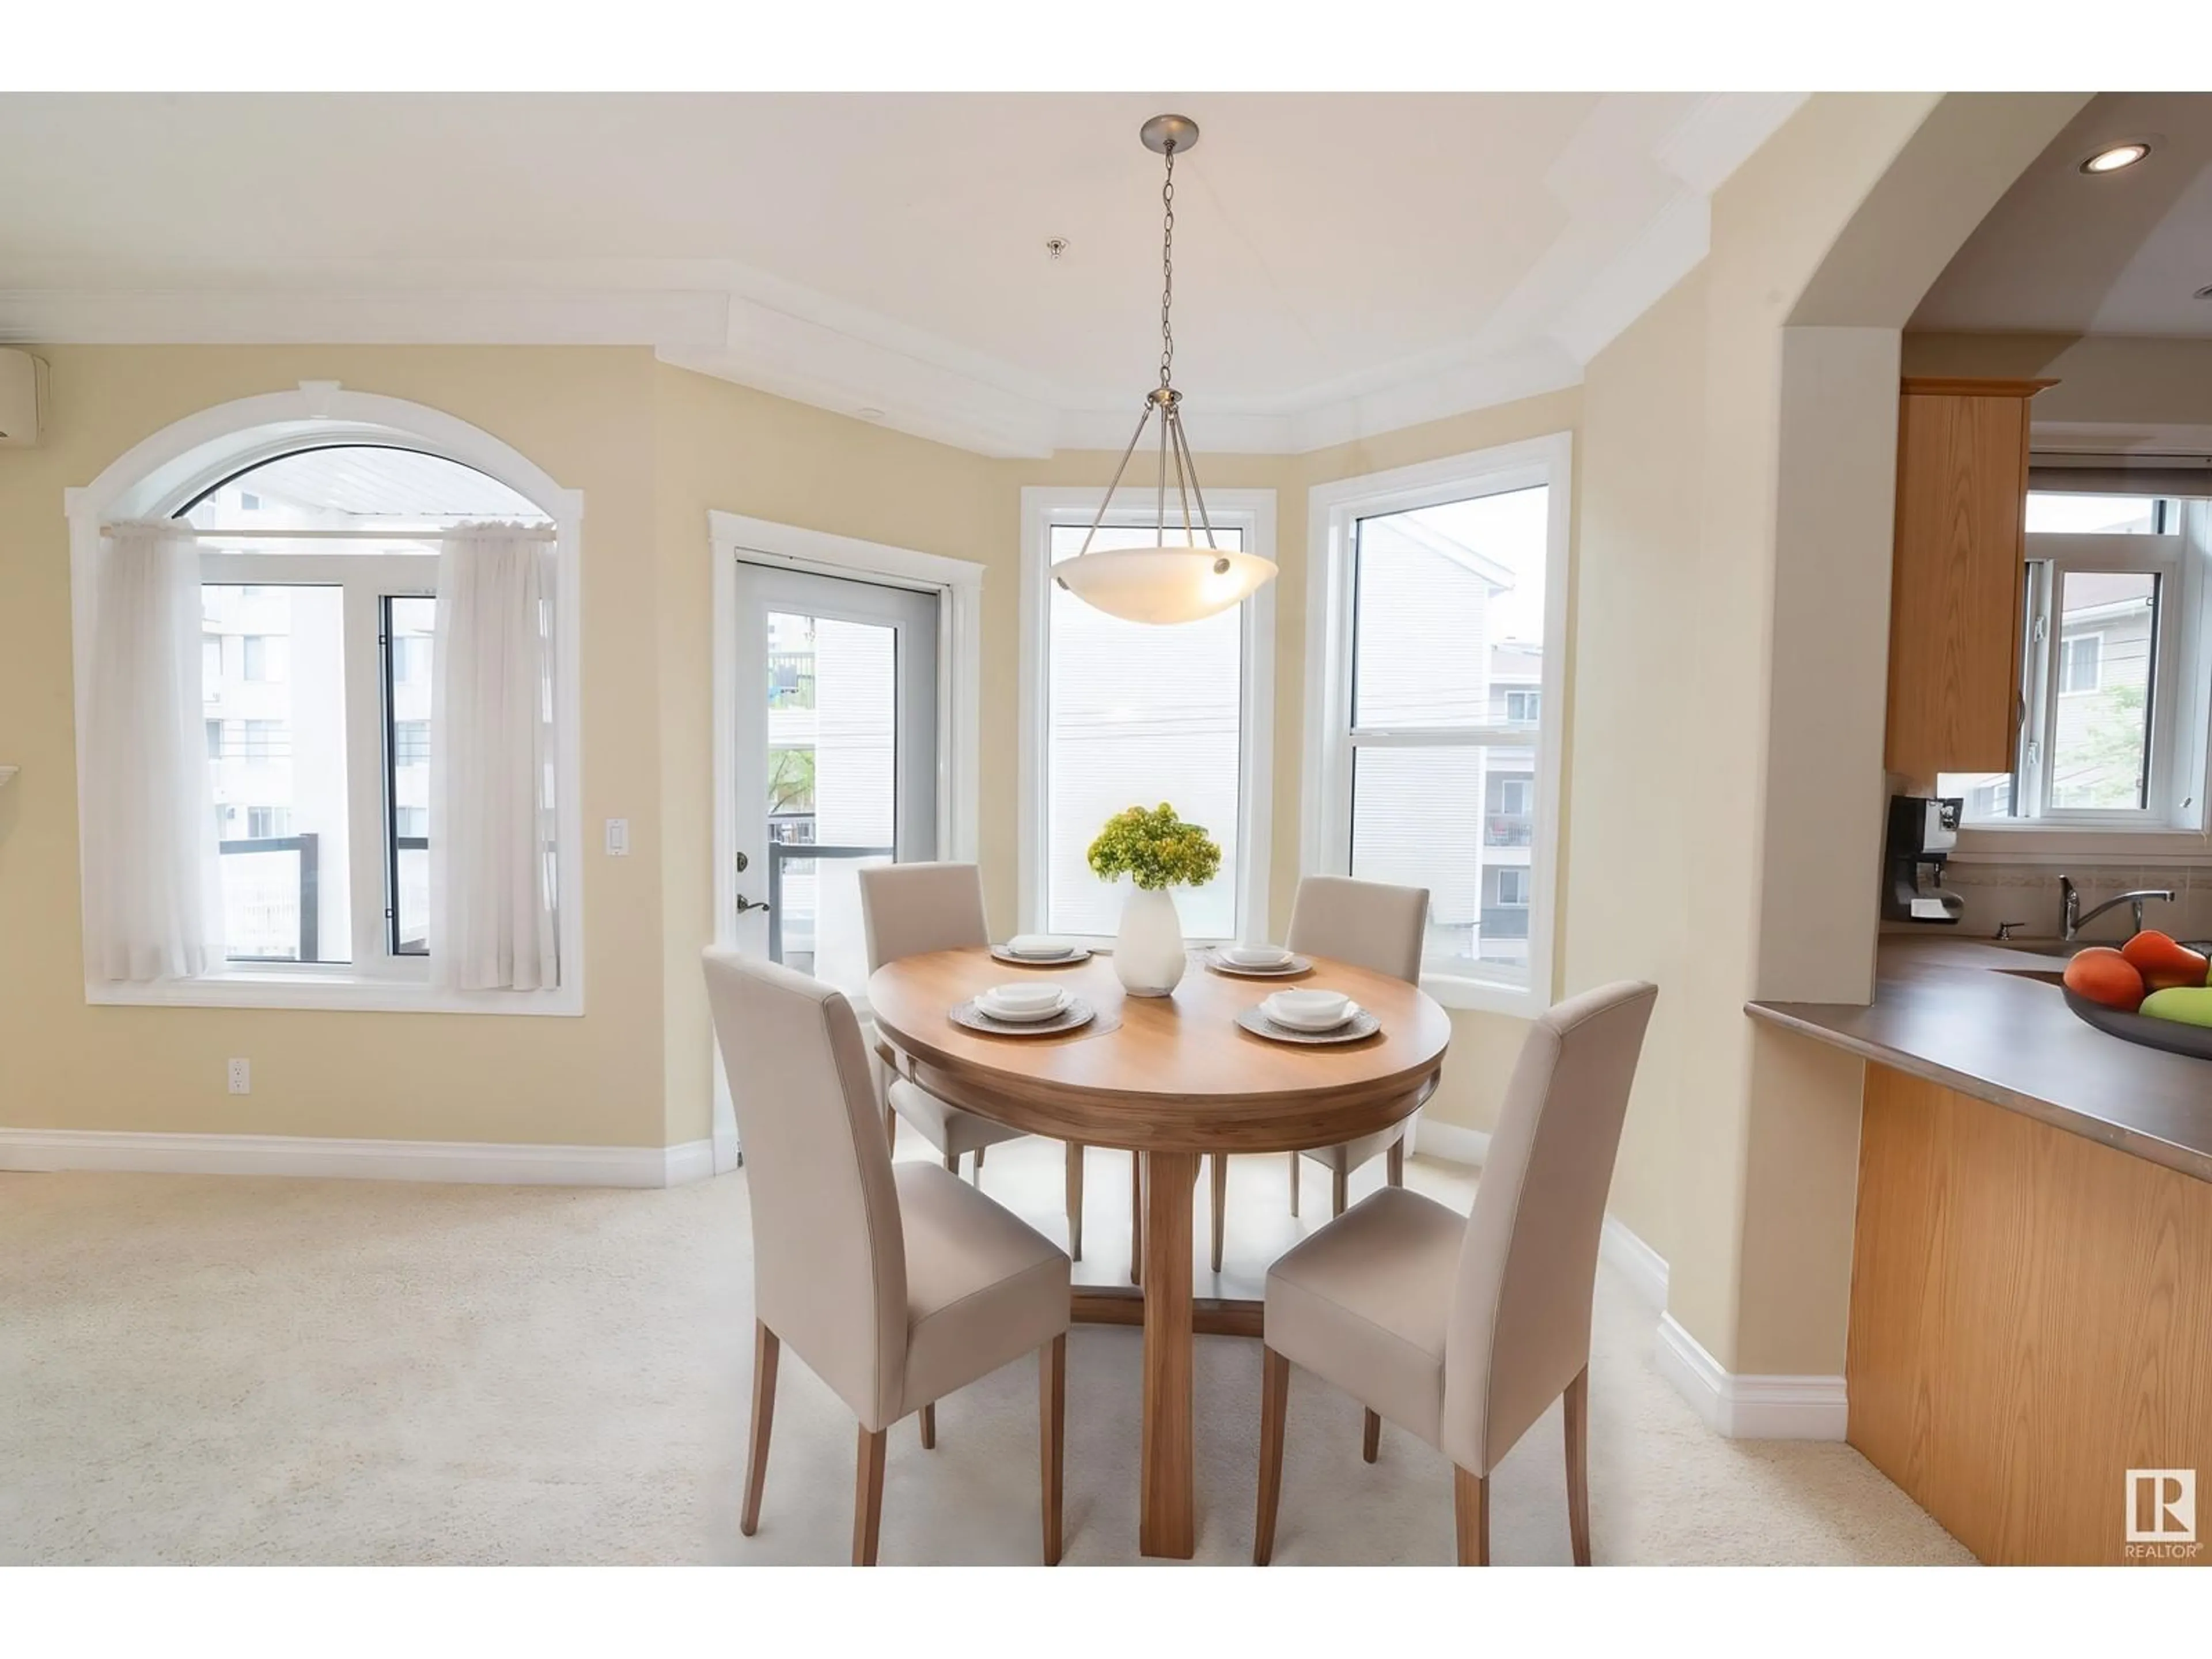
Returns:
(868,1497)
(952,1163)
(1136,1217)
(1274,1405)
(1578,1416)
(980,1151)
(890,1129)
(1394,1163)
(1051,1434)
(766,1348)
(1074,1201)
(1295,1161)
(1220,1161)
(929,1427)
(1471,1513)
(1339,1188)
(1370,1437)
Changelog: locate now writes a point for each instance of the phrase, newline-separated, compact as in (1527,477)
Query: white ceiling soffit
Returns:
(886,252)
(2068,252)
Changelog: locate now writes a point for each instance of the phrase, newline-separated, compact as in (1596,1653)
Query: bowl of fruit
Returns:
(2152,990)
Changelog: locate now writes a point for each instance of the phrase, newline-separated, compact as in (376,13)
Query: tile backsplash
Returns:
(2028,894)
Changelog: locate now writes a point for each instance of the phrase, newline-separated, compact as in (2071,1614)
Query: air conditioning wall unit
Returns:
(23,398)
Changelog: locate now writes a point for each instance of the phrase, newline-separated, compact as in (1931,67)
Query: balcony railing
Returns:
(270,907)
(1507,829)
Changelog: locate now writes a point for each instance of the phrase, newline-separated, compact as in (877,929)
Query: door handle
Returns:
(745,904)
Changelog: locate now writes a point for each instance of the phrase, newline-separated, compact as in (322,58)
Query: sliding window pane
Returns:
(1414,813)
(1139,714)
(275,719)
(410,627)
(1448,614)
(2100,734)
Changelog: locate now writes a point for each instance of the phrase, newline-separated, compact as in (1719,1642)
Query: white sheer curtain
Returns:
(492,881)
(153,889)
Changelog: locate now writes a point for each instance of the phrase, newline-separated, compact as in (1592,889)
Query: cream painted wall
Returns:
(655,449)
(1639,871)
(724,446)
(584,416)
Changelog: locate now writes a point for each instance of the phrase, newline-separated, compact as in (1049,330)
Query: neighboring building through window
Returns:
(281,689)
(2117,669)
(1433,765)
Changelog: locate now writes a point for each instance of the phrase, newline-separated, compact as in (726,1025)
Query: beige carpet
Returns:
(234,1369)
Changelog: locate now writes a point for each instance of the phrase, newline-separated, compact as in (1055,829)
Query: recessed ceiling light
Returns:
(2115,157)
(870,414)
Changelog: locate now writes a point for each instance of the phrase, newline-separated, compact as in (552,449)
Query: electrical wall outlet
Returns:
(241,1076)
(618,838)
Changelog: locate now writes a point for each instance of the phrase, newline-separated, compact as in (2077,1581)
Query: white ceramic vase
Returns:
(1148,954)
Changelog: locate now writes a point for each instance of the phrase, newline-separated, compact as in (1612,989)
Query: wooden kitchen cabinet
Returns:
(1957,580)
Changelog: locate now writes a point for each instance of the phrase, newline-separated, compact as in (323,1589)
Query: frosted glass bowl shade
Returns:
(1163,584)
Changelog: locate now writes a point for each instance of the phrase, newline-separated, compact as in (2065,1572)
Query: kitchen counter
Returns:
(1971,1015)
(2031,1308)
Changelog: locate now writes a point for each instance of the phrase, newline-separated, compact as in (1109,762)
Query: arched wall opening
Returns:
(1829,524)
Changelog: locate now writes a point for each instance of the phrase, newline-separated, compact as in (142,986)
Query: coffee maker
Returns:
(1923,830)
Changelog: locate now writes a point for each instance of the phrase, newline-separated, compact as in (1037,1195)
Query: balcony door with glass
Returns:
(835,758)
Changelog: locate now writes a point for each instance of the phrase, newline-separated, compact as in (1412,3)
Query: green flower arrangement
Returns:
(1156,850)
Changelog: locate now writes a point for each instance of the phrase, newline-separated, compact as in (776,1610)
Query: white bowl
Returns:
(1042,946)
(1254,956)
(1022,1004)
(1310,1010)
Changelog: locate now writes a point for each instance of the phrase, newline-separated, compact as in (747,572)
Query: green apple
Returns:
(2188,1005)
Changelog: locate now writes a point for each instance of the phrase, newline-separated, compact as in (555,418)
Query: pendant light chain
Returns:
(1167,273)
(1164,403)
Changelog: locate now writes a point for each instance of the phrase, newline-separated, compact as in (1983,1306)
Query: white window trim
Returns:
(156,477)
(2180,763)
(1252,512)
(1325,828)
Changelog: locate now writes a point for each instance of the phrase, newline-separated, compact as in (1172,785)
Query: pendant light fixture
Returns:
(1167,580)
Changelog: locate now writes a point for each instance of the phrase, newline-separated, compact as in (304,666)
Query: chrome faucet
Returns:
(2071,919)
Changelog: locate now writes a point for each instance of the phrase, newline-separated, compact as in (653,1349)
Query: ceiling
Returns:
(1345,263)
(2069,253)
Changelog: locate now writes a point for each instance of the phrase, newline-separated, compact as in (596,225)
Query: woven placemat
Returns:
(967,1015)
(1361,1026)
(1081,953)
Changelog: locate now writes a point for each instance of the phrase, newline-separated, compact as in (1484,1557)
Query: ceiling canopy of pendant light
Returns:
(1179,578)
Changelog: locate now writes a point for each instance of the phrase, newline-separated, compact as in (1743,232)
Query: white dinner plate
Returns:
(1310,1010)
(1020,1004)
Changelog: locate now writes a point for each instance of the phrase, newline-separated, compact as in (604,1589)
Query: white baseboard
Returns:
(1748,1407)
(1643,1268)
(1449,1141)
(1740,1408)
(488,1162)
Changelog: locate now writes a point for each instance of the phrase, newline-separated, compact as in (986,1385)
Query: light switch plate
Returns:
(618,838)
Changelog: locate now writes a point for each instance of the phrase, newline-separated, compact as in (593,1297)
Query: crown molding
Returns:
(1634,183)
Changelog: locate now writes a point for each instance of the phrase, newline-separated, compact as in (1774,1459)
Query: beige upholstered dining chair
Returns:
(909,910)
(896,1286)
(1463,1331)
(1371,925)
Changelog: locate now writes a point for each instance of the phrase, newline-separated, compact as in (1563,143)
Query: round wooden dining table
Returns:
(1171,1079)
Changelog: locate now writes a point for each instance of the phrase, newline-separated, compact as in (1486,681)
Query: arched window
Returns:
(330,744)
